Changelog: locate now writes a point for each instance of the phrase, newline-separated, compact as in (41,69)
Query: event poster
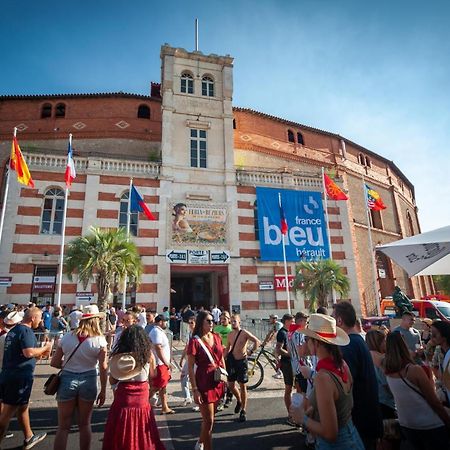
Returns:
(306,238)
(199,223)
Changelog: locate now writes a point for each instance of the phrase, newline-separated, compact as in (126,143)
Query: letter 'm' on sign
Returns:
(306,238)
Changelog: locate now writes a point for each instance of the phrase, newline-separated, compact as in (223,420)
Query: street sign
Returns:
(220,257)
(41,279)
(5,281)
(176,256)
(266,286)
(198,256)
(85,296)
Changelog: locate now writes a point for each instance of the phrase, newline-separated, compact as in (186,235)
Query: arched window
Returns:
(134,216)
(291,137)
(46,110)
(207,86)
(52,213)
(300,139)
(361,159)
(143,112)
(368,162)
(187,83)
(234,124)
(410,223)
(60,110)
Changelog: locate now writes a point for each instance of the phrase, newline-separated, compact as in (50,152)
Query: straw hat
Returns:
(91,311)
(123,366)
(428,321)
(13,318)
(323,328)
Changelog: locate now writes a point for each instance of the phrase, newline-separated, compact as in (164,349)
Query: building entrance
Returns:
(199,286)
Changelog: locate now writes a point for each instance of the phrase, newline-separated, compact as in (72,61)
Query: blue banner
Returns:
(306,238)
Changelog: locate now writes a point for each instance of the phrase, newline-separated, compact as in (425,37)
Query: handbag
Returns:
(220,374)
(52,384)
(391,430)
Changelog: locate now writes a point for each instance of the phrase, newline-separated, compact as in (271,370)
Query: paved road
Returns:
(265,428)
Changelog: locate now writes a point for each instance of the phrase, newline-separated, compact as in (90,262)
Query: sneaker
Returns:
(242,416)
(9,435)
(291,423)
(196,408)
(35,439)
(198,446)
(186,402)
(220,406)
(237,408)
(278,376)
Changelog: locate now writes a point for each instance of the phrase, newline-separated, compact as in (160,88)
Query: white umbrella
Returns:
(423,254)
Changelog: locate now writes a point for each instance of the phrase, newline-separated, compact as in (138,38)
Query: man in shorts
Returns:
(161,351)
(237,364)
(281,350)
(16,378)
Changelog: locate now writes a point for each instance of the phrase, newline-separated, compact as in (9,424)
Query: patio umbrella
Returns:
(423,254)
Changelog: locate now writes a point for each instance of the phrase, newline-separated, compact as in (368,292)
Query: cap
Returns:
(160,318)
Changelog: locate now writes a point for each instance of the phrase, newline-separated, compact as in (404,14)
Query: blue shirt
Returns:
(17,339)
(47,319)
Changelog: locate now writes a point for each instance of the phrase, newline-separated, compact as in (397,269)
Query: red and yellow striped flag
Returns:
(17,163)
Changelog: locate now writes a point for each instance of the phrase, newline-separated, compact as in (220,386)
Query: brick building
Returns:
(188,150)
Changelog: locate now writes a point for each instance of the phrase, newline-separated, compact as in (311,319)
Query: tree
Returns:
(106,256)
(316,280)
(442,283)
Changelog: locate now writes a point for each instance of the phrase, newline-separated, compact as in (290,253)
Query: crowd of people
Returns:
(343,388)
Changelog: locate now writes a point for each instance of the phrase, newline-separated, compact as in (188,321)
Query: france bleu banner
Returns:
(306,238)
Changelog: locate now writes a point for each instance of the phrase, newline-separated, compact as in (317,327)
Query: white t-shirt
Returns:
(158,337)
(85,358)
(216,312)
(142,319)
(74,319)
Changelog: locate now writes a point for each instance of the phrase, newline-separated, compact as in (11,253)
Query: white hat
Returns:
(91,311)
(323,328)
(13,318)
(123,366)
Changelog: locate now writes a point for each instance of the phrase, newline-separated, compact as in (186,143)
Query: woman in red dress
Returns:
(131,423)
(207,391)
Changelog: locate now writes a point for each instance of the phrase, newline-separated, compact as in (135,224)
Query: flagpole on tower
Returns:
(63,231)
(5,195)
(286,278)
(325,196)
(372,255)
(124,295)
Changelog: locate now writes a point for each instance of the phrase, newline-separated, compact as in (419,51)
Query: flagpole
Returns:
(369,230)
(63,237)
(325,196)
(124,294)
(5,195)
(286,279)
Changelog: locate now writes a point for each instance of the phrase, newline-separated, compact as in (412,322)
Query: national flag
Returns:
(70,174)
(283,221)
(17,163)
(334,192)
(137,204)
(374,200)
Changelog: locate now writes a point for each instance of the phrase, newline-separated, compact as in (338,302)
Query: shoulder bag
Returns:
(230,358)
(52,384)
(220,374)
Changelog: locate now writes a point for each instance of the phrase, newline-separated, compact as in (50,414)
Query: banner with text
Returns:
(306,238)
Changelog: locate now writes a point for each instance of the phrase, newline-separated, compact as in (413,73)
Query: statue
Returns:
(401,301)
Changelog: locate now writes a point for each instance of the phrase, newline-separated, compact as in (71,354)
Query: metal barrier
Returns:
(258,327)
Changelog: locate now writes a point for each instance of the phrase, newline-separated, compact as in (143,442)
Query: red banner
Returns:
(280,282)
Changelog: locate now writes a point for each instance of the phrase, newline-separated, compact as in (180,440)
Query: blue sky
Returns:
(377,73)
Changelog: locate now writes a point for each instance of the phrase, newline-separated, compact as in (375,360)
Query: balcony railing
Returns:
(255,178)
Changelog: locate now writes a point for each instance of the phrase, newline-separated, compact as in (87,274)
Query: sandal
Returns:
(170,411)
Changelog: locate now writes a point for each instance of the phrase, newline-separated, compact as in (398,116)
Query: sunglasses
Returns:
(209,320)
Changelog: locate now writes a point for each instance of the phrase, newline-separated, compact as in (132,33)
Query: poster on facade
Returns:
(199,223)
(306,238)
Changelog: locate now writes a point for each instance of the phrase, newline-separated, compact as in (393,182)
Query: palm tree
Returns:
(316,280)
(106,256)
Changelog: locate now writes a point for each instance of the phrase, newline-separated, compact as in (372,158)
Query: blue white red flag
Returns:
(137,204)
(70,168)
(283,221)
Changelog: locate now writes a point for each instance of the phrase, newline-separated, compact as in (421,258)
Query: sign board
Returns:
(381,273)
(43,287)
(235,309)
(306,238)
(41,279)
(280,282)
(85,296)
(176,256)
(5,281)
(219,257)
(266,285)
(198,256)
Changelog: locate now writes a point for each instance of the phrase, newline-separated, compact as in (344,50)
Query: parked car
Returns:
(370,323)
(422,309)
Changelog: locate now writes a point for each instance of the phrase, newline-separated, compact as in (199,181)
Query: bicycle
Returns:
(256,367)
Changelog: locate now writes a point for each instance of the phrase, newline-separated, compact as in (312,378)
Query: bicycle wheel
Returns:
(255,374)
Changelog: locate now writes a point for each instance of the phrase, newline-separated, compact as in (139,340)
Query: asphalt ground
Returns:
(265,427)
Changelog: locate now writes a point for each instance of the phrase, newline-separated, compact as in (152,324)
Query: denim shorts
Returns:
(347,439)
(77,385)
